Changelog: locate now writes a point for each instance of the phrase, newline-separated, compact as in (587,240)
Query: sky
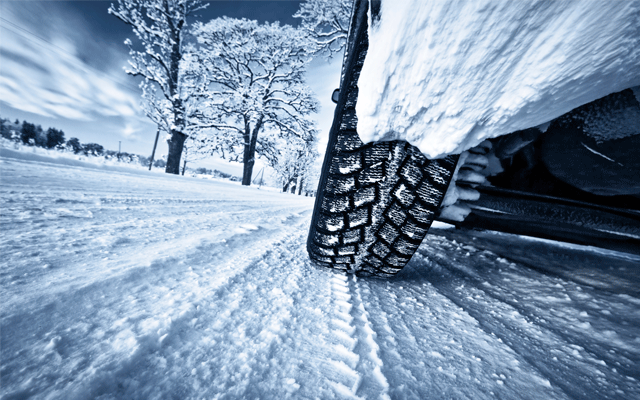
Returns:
(62,66)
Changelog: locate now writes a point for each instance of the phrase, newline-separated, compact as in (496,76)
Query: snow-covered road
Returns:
(120,283)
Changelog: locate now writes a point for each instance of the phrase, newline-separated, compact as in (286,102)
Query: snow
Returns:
(446,75)
(124,283)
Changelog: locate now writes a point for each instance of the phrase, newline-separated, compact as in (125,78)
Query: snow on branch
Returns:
(158,57)
(250,94)
(327,23)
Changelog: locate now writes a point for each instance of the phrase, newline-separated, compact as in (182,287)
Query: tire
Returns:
(375,202)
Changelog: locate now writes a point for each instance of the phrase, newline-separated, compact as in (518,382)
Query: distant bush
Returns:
(55,138)
(28,133)
(92,149)
(74,145)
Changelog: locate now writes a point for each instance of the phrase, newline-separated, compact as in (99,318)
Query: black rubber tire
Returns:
(375,202)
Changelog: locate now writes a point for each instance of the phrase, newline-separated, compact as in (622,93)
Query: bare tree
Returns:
(327,22)
(160,26)
(251,91)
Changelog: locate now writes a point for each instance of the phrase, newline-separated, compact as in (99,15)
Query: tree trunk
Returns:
(301,186)
(294,185)
(176,144)
(248,158)
(184,166)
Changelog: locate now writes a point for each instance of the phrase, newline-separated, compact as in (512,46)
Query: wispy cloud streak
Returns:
(42,73)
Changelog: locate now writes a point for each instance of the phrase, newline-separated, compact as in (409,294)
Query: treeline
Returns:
(33,135)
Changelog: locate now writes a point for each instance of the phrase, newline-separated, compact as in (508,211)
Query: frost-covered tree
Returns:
(160,26)
(251,90)
(327,23)
(294,162)
(190,152)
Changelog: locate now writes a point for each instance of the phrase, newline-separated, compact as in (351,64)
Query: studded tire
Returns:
(375,202)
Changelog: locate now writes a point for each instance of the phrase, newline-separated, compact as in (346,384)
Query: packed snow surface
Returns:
(126,284)
(445,75)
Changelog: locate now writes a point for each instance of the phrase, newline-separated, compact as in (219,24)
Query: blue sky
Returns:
(61,65)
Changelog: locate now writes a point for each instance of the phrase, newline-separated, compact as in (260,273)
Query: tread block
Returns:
(335,204)
(352,236)
(388,232)
(373,174)
(348,141)
(377,153)
(405,247)
(422,214)
(326,240)
(396,214)
(322,251)
(352,94)
(331,222)
(411,173)
(380,249)
(341,185)
(346,250)
(438,174)
(344,260)
(414,230)
(404,194)
(430,194)
(345,164)
(374,261)
(367,270)
(364,196)
(396,260)
(359,217)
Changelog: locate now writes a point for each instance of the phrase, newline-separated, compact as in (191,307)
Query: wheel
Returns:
(375,201)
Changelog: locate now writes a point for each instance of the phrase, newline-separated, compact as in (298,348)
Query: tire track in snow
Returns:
(500,306)
(373,384)
(432,349)
(343,375)
(74,251)
(222,342)
(510,369)
(400,379)
(164,298)
(279,327)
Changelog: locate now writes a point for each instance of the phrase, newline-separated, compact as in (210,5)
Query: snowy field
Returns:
(120,283)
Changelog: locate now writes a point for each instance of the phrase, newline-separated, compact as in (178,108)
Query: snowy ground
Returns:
(126,284)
